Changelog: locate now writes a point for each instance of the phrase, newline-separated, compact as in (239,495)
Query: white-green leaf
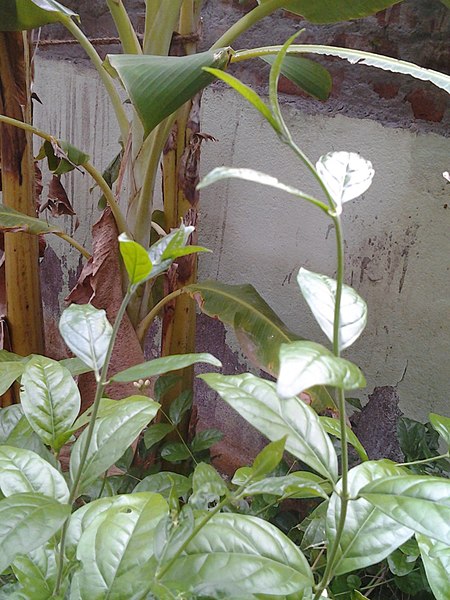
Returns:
(305,364)
(319,292)
(24,471)
(112,435)
(160,366)
(442,426)
(369,535)
(256,557)
(9,372)
(258,402)
(332,426)
(436,560)
(295,485)
(87,332)
(18,15)
(50,400)
(27,521)
(37,572)
(346,175)
(115,546)
(136,259)
(419,502)
(163,483)
(9,419)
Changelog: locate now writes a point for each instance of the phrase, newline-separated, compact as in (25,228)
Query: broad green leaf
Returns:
(304,364)
(258,402)
(419,502)
(13,220)
(106,407)
(333,11)
(163,482)
(258,559)
(9,372)
(207,487)
(24,471)
(446,3)
(159,366)
(6,356)
(358,596)
(307,74)
(220,173)
(115,547)
(111,437)
(440,424)
(333,427)
(400,564)
(180,406)
(50,400)
(269,458)
(9,418)
(18,15)
(248,94)
(436,560)
(295,485)
(346,175)
(87,332)
(159,85)
(23,436)
(319,292)
(155,433)
(27,521)
(369,535)
(75,366)
(203,440)
(61,156)
(175,452)
(37,572)
(136,259)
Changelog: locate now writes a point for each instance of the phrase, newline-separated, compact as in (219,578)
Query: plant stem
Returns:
(127,34)
(424,461)
(116,100)
(75,244)
(160,22)
(143,326)
(101,384)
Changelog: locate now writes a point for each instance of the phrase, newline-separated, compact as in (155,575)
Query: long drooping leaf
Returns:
(160,366)
(13,220)
(310,76)
(436,560)
(369,535)
(333,11)
(258,559)
(26,522)
(159,85)
(23,471)
(258,402)
(50,399)
(18,15)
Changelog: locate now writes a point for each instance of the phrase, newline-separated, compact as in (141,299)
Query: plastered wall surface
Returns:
(397,235)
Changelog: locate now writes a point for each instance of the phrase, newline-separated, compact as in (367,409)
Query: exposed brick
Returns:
(427,105)
(386,90)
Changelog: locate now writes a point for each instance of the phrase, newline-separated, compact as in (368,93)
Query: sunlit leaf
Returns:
(136,259)
(37,572)
(159,366)
(295,485)
(258,402)
(50,400)
(346,175)
(436,560)
(9,418)
(369,535)
(333,427)
(87,332)
(159,85)
(9,372)
(30,14)
(305,364)
(319,292)
(13,220)
(440,424)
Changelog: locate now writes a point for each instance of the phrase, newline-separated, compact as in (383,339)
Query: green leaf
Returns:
(155,433)
(175,452)
(159,366)
(18,15)
(333,11)
(111,437)
(358,596)
(248,94)
(259,559)
(333,427)
(319,292)
(369,535)
(61,156)
(400,564)
(37,572)
(419,502)
(6,356)
(27,521)
(346,175)
(136,259)
(13,220)
(203,440)
(304,364)
(257,401)
(310,76)
(87,332)
(9,418)
(446,3)
(295,485)
(115,546)
(440,424)
(269,458)
(106,407)
(24,471)
(23,436)
(436,560)
(75,366)
(9,372)
(208,487)
(159,85)
(50,400)
(180,406)
(163,482)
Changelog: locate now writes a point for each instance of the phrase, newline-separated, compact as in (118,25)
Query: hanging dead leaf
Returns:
(58,202)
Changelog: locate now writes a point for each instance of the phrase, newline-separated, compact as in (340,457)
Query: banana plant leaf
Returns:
(17,15)
(259,330)
(13,220)
(333,11)
(158,85)
(307,74)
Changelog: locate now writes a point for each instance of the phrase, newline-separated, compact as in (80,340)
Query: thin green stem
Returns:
(116,100)
(102,380)
(425,461)
(125,29)
(143,326)
(175,428)
(74,243)
(160,22)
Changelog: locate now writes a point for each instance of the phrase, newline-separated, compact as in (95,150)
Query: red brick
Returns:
(426,105)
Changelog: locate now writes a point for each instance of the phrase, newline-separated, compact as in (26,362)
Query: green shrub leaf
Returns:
(326,11)
(163,483)
(332,426)
(160,366)
(440,424)
(136,259)
(436,560)
(18,15)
